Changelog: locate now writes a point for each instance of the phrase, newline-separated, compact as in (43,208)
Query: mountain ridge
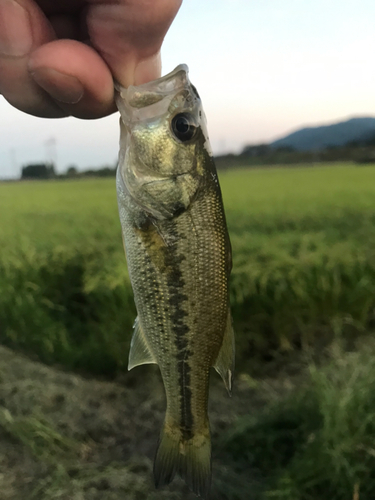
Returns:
(323,136)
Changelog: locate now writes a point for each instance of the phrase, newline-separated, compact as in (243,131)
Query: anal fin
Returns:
(224,363)
(140,353)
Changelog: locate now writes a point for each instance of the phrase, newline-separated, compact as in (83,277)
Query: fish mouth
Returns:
(151,99)
(138,96)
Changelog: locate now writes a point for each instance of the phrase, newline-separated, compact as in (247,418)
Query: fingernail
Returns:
(15,29)
(148,70)
(64,88)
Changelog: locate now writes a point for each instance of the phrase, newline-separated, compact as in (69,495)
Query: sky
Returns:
(263,68)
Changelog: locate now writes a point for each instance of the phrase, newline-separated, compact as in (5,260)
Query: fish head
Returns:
(163,143)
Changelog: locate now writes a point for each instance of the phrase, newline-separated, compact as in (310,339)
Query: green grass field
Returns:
(304,264)
(303,279)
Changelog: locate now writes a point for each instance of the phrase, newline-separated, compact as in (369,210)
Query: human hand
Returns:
(59,57)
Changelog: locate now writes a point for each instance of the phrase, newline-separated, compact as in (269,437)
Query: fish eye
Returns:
(183,126)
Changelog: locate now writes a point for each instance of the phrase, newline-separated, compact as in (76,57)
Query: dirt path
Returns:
(66,437)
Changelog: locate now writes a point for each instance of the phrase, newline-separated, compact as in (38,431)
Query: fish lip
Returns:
(154,83)
(137,103)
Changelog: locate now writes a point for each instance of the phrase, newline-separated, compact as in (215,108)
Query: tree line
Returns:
(251,155)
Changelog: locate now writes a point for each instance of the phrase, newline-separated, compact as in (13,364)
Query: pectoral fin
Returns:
(140,353)
(224,364)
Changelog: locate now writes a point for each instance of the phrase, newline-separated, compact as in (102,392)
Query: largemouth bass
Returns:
(179,260)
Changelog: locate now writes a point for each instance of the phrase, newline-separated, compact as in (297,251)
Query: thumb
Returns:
(129,33)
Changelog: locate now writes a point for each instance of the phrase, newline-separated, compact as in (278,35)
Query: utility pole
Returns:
(51,151)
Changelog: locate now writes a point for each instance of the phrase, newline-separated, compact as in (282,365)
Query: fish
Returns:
(179,261)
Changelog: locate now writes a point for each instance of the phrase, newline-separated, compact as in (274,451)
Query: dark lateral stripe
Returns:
(180,331)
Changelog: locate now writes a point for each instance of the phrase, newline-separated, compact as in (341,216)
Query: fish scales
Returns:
(178,253)
(169,283)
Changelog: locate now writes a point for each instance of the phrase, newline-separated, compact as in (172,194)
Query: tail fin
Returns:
(190,458)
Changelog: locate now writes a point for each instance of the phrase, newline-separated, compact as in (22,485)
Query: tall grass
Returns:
(58,307)
(317,443)
(304,264)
